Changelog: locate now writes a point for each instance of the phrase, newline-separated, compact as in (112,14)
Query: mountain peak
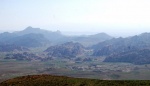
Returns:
(29,28)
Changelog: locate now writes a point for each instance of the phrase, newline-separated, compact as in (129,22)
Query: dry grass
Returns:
(49,80)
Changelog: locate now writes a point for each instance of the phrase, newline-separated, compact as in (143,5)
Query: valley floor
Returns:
(93,69)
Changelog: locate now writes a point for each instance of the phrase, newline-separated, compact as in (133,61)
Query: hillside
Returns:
(48,80)
(68,50)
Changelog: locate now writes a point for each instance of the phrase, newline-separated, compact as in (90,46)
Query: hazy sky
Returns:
(115,17)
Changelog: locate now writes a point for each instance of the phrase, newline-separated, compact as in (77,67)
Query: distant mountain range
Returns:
(36,37)
(134,49)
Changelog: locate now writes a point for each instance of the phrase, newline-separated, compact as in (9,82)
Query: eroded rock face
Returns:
(68,50)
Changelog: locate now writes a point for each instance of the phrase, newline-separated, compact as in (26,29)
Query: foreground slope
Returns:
(48,80)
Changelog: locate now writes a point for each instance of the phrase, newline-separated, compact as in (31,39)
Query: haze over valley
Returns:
(97,56)
(92,39)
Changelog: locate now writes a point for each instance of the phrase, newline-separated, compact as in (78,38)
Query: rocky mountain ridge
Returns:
(125,49)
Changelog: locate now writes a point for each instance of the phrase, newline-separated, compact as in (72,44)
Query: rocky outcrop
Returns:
(68,50)
(23,56)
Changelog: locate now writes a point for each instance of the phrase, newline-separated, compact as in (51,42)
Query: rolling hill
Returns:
(49,80)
